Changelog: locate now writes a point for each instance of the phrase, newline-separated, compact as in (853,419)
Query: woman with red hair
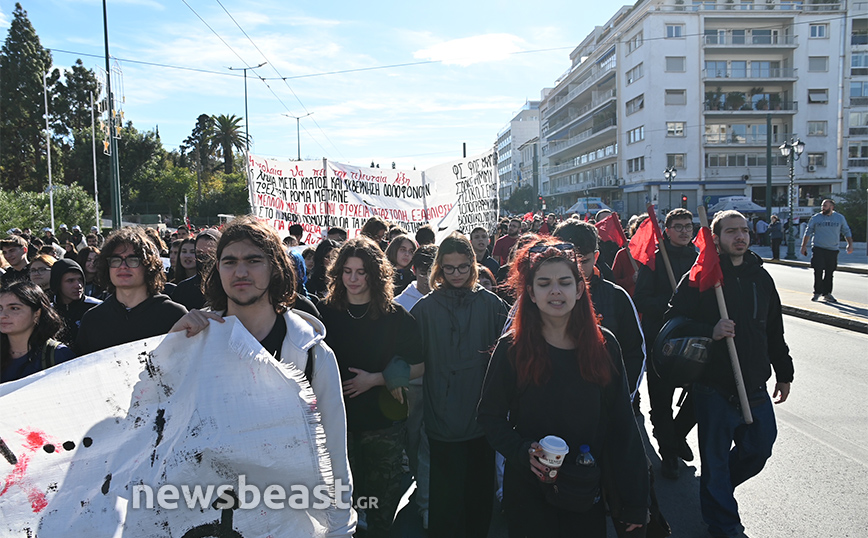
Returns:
(556,372)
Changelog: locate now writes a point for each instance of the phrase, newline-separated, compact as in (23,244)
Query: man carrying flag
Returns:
(756,325)
(653,290)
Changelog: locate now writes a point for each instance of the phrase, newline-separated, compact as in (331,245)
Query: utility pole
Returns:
(298,131)
(93,140)
(48,148)
(246,118)
(113,144)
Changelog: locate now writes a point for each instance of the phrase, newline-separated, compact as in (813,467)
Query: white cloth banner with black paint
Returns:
(458,195)
(78,438)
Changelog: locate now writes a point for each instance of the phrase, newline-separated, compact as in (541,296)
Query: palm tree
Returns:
(227,134)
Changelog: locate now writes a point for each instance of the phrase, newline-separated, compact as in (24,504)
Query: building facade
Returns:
(707,88)
(523,127)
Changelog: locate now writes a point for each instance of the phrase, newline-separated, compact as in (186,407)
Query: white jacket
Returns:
(304,331)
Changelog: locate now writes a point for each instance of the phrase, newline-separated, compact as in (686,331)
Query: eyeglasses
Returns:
(39,270)
(462,269)
(682,227)
(130,261)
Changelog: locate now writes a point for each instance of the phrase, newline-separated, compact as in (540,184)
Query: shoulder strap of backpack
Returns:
(48,353)
(308,368)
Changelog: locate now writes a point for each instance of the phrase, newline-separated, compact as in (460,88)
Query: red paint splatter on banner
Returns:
(33,441)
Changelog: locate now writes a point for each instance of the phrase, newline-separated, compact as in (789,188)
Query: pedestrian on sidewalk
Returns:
(776,235)
(826,228)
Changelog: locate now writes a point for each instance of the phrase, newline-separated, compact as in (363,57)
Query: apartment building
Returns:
(523,127)
(705,88)
(855,75)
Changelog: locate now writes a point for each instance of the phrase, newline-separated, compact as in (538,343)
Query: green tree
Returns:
(522,200)
(23,61)
(25,209)
(227,136)
(200,147)
(852,205)
(73,99)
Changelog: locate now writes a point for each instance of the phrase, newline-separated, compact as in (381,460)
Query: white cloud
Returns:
(467,51)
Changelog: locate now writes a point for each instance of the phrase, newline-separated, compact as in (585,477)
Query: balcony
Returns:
(552,148)
(739,102)
(597,72)
(729,41)
(759,6)
(859,38)
(859,101)
(857,163)
(858,131)
(597,99)
(607,182)
(781,73)
(731,139)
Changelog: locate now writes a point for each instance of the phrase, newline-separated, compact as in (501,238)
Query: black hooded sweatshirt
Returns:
(72,312)
(112,324)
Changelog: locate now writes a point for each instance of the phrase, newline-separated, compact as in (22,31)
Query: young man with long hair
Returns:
(557,372)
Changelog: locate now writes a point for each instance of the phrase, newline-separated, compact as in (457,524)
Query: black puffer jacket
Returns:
(753,303)
(653,289)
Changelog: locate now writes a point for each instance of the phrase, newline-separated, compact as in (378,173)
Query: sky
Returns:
(482,61)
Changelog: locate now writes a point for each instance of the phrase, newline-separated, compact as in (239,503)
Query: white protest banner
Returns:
(146,440)
(320,194)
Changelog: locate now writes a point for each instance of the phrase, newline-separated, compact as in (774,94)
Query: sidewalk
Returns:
(846,316)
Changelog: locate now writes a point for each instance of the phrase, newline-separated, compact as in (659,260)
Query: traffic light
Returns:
(683,201)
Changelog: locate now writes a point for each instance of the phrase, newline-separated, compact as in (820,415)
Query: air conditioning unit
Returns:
(745,177)
(812,168)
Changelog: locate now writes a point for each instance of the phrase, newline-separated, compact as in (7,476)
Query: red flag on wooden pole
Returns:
(643,244)
(610,230)
(706,271)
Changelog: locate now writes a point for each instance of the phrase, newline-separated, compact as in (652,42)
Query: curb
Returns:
(827,319)
(807,265)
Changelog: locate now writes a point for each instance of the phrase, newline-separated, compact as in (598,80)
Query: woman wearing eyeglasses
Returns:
(40,271)
(28,325)
(130,268)
(557,373)
(459,322)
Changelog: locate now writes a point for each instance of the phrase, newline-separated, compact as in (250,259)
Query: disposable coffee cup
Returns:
(554,451)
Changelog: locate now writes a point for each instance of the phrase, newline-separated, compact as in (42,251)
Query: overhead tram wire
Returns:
(242,60)
(274,67)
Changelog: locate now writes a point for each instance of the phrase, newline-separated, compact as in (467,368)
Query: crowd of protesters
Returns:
(454,360)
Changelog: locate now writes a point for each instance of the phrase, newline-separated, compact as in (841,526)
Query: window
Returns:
(676,97)
(674,31)
(674,128)
(817,128)
(818,96)
(676,64)
(738,37)
(675,159)
(715,133)
(761,37)
(816,159)
(819,30)
(859,64)
(818,64)
(715,69)
(858,119)
(636,135)
(634,74)
(738,69)
(636,165)
(765,69)
(859,89)
(635,105)
(634,43)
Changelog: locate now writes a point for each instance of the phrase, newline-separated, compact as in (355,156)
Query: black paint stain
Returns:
(159,424)
(198,457)
(8,455)
(52,486)
(69,445)
(106,484)
(28,532)
(87,441)
(48,448)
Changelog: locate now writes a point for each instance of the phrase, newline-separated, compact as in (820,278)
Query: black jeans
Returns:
(776,248)
(824,262)
(461,491)
(669,431)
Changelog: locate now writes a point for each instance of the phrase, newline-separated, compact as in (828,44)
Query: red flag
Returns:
(643,244)
(528,216)
(610,230)
(706,271)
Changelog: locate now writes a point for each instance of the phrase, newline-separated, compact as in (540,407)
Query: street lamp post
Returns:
(792,149)
(587,203)
(669,174)
(297,130)
(246,118)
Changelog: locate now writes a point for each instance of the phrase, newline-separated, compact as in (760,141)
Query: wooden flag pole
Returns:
(730,342)
(653,215)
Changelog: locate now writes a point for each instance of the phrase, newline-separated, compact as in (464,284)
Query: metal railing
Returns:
(770,72)
(729,40)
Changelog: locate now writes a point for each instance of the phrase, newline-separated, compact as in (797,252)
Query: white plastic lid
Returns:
(554,444)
